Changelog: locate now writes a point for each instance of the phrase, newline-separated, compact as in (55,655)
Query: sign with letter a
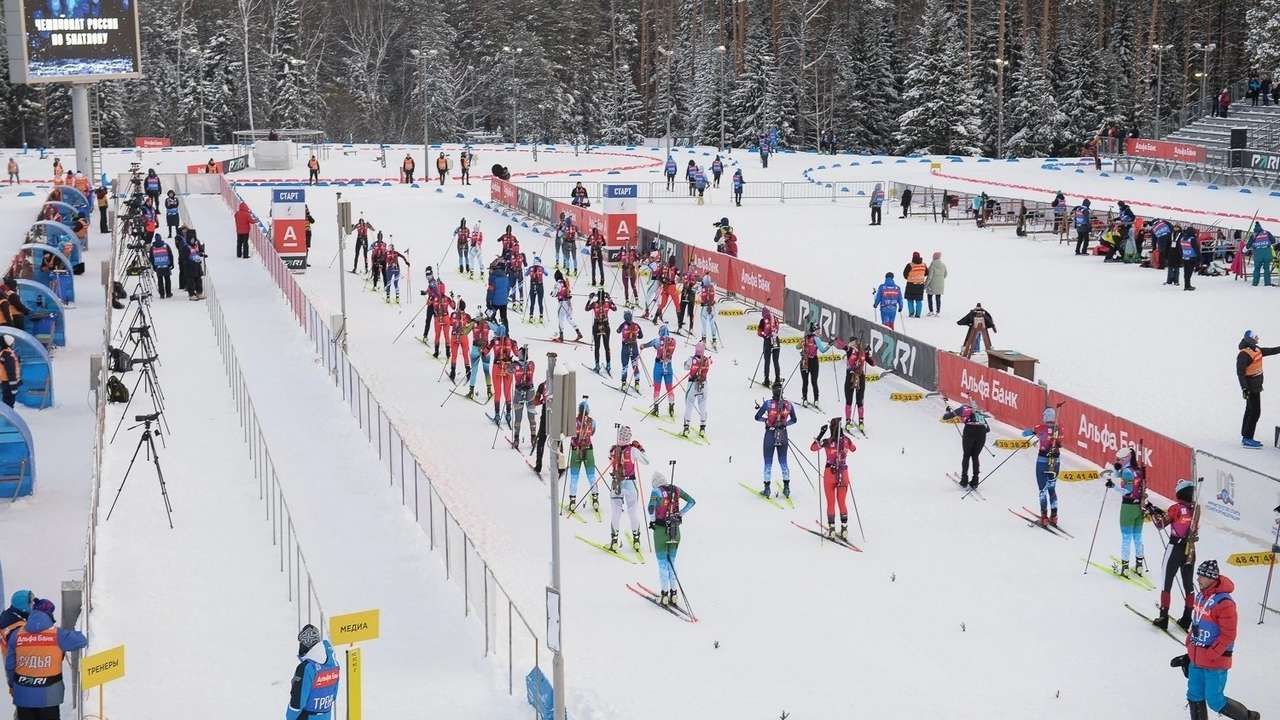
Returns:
(620,215)
(289,226)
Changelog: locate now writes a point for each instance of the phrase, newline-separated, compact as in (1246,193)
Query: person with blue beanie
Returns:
(889,300)
(14,615)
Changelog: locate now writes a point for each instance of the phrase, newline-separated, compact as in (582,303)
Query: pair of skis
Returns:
(782,502)
(828,536)
(969,490)
(1135,579)
(622,552)
(654,598)
(696,439)
(1032,518)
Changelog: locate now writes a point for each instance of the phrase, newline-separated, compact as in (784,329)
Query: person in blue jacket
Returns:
(1082,221)
(498,290)
(162,263)
(889,300)
(19,608)
(764,151)
(777,414)
(314,689)
(33,662)
(700,183)
(670,171)
(717,169)
(171,212)
(877,200)
(737,187)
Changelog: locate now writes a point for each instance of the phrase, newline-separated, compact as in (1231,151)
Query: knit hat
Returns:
(22,600)
(1208,569)
(45,605)
(308,637)
(1049,415)
(660,479)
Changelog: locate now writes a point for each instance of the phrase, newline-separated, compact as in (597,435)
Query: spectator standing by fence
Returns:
(906,202)
(937,283)
(1224,102)
(737,187)
(877,202)
(13,171)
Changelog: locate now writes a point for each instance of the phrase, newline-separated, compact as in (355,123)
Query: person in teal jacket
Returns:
(665,517)
(1262,247)
(314,690)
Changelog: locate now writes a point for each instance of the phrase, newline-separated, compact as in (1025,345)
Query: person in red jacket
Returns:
(244,218)
(1210,643)
(835,473)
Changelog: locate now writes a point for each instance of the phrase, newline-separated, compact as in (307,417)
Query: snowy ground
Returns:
(814,624)
(953,590)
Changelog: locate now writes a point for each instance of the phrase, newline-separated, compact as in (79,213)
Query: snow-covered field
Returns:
(954,609)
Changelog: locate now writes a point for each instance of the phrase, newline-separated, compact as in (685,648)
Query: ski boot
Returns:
(613,541)
(973,484)
(571,508)
(1234,710)
(1123,570)
(397,298)
(596,368)
(560,337)
(964,481)
(702,430)
(831,529)
(471,393)
(1053,517)
(1138,564)
(1044,519)
(496,415)
(671,598)
(579,338)
(637,384)
(786,488)
(1162,620)
(488,388)
(685,432)
(766,492)
(635,541)
(453,375)
(862,430)
(608,369)
(671,410)
(1184,622)
(436,353)
(844,531)
(506,415)
(664,599)
(654,409)
(595,503)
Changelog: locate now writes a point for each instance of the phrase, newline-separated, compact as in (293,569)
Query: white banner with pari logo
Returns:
(1238,499)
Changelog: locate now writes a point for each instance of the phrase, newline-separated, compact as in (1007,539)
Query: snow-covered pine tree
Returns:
(286,95)
(1080,87)
(941,108)
(756,100)
(1262,40)
(1035,125)
(866,90)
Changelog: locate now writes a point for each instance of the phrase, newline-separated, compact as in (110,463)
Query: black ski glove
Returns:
(1110,484)
(821,433)
(1182,661)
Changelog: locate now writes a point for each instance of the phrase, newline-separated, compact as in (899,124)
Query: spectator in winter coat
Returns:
(937,283)
(917,274)
(877,200)
(1082,220)
(1187,252)
(717,169)
(737,187)
(764,152)
(906,202)
(669,170)
(1174,262)
(244,220)
(1255,89)
(1224,102)
(1266,91)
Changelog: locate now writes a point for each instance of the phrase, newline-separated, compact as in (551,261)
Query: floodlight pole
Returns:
(80,128)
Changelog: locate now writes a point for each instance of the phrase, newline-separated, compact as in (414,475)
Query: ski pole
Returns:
(793,373)
(803,471)
(854,500)
(993,472)
(803,456)
(671,561)
(599,474)
(415,317)
(1271,568)
(1096,525)
(752,382)
(647,539)
(671,397)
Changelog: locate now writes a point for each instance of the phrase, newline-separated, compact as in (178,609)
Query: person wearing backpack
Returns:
(162,262)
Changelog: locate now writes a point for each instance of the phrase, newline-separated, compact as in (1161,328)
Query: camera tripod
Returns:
(141,317)
(148,373)
(154,456)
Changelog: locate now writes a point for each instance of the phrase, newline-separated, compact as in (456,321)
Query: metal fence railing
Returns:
(484,597)
(275,505)
(657,191)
